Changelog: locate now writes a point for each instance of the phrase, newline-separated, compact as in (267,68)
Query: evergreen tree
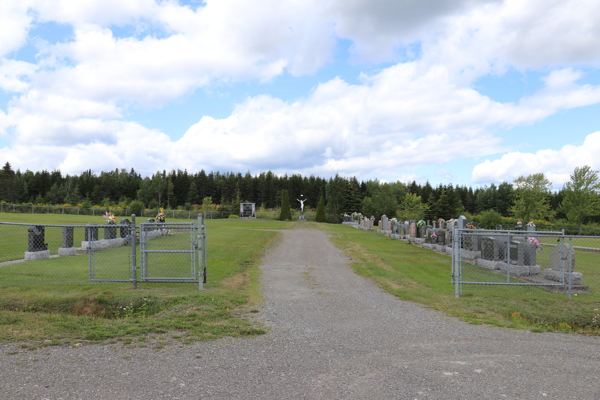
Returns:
(286,213)
(336,196)
(321,217)
(192,196)
(353,199)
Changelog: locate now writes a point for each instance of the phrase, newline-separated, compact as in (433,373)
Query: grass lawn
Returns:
(423,276)
(52,299)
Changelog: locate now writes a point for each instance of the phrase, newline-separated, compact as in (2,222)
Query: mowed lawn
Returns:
(424,276)
(52,298)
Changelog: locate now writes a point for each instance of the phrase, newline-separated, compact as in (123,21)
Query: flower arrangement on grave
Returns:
(433,235)
(519,224)
(441,220)
(421,223)
(110,218)
(160,217)
(530,223)
(470,226)
(535,241)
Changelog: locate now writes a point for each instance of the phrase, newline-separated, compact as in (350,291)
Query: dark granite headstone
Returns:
(90,233)
(124,230)
(35,239)
(67,237)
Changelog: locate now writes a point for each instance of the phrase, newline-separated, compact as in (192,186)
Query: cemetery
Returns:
(514,253)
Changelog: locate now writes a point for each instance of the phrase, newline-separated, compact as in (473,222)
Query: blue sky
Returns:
(460,92)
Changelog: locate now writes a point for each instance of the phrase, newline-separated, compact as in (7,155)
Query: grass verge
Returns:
(423,276)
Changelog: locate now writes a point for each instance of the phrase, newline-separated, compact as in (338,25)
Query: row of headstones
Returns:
(36,235)
(489,252)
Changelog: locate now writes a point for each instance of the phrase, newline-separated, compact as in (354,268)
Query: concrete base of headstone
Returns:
(470,255)
(383,232)
(67,251)
(449,251)
(514,270)
(534,270)
(417,241)
(107,243)
(487,264)
(576,277)
(37,255)
(428,246)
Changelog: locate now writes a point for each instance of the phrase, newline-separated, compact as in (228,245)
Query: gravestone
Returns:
(555,257)
(384,223)
(110,232)
(124,230)
(461,222)
(441,236)
(413,229)
(66,242)
(36,248)
(67,237)
(471,242)
(555,261)
(526,254)
(90,233)
(493,249)
(35,239)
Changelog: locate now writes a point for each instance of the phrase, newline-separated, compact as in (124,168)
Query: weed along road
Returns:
(332,335)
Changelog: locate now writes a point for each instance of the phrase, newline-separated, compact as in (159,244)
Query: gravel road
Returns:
(333,335)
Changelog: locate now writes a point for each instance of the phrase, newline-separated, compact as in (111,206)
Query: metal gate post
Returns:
(133,233)
(201,259)
(89,250)
(562,263)
(570,266)
(508,259)
(456,261)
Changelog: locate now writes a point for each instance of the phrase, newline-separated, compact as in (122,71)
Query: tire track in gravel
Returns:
(333,335)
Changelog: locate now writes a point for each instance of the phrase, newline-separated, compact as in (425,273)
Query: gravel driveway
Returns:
(334,335)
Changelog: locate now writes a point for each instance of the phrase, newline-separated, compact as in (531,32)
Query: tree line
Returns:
(527,198)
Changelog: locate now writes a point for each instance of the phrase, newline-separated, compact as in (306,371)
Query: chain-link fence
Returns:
(75,254)
(548,261)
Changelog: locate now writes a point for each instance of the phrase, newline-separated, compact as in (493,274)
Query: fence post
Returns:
(133,233)
(570,266)
(562,263)
(508,260)
(456,261)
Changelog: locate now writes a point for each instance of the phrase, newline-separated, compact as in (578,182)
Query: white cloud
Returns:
(14,25)
(556,164)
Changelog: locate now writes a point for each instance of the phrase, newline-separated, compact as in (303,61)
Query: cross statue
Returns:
(302,204)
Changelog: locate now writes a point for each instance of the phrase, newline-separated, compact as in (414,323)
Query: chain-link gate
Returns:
(173,252)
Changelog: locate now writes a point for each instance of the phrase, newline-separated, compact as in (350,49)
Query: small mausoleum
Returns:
(247,210)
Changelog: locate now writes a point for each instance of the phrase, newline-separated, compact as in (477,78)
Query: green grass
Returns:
(423,276)
(52,299)
(577,242)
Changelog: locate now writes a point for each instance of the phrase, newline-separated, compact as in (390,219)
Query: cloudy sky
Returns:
(451,91)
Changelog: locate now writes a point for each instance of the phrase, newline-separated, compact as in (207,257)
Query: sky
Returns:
(468,92)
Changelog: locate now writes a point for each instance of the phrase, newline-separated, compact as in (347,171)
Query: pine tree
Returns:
(286,213)
(321,217)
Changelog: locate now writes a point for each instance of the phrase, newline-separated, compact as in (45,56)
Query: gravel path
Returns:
(334,335)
